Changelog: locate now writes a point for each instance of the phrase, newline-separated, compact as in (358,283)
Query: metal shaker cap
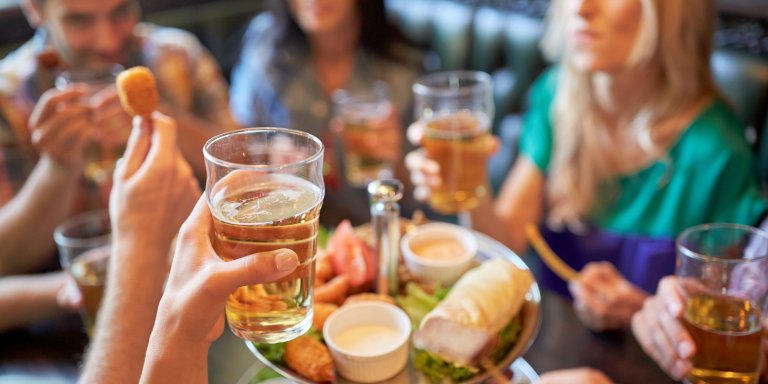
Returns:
(387,190)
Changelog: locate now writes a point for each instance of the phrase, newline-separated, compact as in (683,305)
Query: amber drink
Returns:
(265,191)
(84,244)
(360,112)
(455,109)
(723,269)
(728,336)
(459,143)
(90,273)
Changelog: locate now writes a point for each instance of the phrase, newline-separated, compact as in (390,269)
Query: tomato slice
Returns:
(350,255)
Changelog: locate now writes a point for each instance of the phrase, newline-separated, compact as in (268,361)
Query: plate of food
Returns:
(467,332)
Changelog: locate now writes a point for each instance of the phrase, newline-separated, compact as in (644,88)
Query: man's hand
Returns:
(61,126)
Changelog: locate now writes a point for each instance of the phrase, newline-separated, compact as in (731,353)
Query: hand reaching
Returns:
(603,298)
(61,125)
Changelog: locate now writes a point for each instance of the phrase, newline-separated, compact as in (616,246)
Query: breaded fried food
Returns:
(333,291)
(138,91)
(321,312)
(369,296)
(310,358)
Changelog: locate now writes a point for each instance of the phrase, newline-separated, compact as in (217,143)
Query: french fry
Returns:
(554,262)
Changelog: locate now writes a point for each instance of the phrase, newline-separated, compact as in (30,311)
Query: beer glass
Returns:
(84,243)
(456,109)
(723,269)
(360,111)
(101,157)
(264,189)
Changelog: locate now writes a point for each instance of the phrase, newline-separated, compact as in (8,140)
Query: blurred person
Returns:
(627,142)
(297,54)
(45,132)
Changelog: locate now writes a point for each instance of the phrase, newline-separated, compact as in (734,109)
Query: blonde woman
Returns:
(626,143)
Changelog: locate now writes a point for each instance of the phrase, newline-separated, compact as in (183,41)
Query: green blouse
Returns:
(708,176)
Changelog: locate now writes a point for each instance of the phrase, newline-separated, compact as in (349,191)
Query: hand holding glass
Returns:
(724,272)
(264,189)
(456,109)
(101,157)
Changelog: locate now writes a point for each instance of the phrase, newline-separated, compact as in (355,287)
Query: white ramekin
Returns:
(444,272)
(369,367)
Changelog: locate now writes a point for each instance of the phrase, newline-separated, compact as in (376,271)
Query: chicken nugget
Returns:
(137,90)
(310,358)
(321,312)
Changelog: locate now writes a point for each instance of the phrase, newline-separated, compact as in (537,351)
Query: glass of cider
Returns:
(84,243)
(723,269)
(265,189)
(455,109)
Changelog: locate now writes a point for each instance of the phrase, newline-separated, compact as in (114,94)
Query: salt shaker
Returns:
(385,217)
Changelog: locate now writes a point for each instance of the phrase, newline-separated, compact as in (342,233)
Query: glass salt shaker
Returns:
(385,216)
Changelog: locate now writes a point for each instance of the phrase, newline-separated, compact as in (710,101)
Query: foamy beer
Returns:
(456,108)
(264,189)
(724,273)
(84,243)
(359,111)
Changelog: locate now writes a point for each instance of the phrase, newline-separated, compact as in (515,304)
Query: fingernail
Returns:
(678,370)
(685,349)
(673,307)
(286,260)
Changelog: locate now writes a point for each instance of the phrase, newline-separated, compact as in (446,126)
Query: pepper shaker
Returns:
(385,217)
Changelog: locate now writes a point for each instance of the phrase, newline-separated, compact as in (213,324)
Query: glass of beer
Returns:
(723,269)
(264,189)
(84,243)
(101,156)
(360,111)
(455,109)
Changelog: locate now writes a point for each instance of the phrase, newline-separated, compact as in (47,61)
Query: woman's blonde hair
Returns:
(675,39)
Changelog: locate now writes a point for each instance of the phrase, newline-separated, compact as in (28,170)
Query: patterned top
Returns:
(709,176)
(187,76)
(276,86)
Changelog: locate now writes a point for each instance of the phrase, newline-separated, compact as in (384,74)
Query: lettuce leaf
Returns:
(417,303)
(275,352)
(436,369)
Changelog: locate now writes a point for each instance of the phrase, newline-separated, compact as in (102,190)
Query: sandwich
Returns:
(479,321)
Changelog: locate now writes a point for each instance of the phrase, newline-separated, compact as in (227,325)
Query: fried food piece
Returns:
(367,296)
(310,358)
(323,266)
(321,312)
(334,291)
(137,90)
(48,59)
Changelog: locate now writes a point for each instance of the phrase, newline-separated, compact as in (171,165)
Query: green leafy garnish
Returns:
(275,352)
(417,303)
(435,368)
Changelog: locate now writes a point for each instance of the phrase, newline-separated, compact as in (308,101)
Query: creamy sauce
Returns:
(367,339)
(446,249)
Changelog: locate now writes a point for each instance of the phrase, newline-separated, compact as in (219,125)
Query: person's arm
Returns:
(191,313)
(60,128)
(28,298)
(154,190)
(519,203)
(209,113)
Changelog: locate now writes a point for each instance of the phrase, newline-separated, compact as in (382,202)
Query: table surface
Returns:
(50,352)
